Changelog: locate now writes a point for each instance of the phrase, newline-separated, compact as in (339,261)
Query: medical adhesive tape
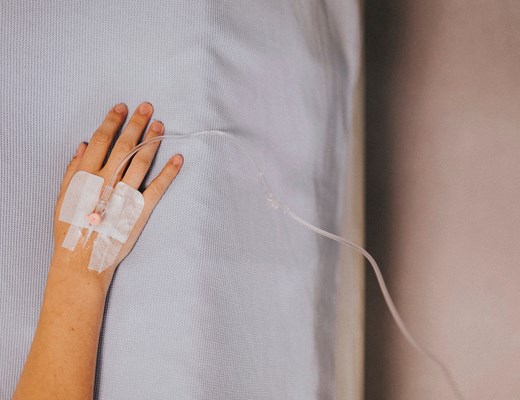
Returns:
(113,229)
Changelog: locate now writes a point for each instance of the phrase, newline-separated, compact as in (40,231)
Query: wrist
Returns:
(75,270)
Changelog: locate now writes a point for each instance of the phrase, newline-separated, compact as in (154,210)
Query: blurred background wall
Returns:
(442,189)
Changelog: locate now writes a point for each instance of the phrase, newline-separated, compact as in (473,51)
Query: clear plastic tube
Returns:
(275,203)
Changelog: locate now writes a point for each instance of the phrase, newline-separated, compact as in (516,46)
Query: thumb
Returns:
(73,166)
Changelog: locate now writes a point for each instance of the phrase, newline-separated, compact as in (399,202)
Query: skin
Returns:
(62,360)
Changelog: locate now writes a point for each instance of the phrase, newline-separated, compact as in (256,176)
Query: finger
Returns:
(129,138)
(102,138)
(73,166)
(142,160)
(158,186)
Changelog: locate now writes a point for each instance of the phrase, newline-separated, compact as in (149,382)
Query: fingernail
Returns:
(120,108)
(157,127)
(177,160)
(145,108)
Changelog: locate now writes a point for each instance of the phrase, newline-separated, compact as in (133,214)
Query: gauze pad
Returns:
(121,214)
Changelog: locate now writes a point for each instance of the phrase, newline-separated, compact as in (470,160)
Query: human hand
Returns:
(90,158)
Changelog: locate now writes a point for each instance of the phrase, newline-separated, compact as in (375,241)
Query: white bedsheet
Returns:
(222,297)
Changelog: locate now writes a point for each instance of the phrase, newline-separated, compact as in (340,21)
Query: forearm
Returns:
(62,360)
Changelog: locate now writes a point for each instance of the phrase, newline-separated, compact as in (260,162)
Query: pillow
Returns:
(222,296)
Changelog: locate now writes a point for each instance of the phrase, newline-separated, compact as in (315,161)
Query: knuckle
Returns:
(125,146)
(114,119)
(101,136)
(141,164)
(152,134)
(140,122)
(158,188)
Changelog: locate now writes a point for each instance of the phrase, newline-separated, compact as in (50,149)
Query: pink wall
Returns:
(443,195)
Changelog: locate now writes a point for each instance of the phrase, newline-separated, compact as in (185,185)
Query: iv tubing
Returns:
(276,203)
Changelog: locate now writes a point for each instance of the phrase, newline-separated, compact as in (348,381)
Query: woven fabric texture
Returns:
(222,297)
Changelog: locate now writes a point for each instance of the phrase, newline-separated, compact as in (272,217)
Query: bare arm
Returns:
(62,360)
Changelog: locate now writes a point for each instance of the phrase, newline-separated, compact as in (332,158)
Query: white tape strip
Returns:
(121,214)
